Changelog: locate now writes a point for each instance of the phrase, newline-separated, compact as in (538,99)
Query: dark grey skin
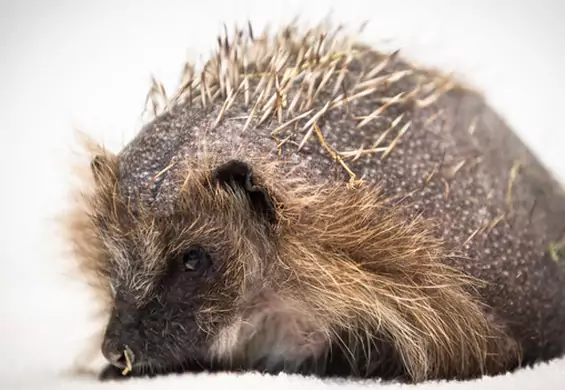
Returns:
(178,285)
(525,281)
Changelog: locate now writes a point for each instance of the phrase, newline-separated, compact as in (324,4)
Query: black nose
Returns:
(120,357)
(117,359)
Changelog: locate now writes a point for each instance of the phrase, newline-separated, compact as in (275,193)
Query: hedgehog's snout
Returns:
(116,358)
(121,333)
(119,355)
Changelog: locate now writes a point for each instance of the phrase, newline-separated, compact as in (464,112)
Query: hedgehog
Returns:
(307,204)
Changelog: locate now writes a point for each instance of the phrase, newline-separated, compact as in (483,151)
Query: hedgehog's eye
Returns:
(195,260)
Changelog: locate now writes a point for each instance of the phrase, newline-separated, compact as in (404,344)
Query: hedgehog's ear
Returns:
(238,175)
(102,168)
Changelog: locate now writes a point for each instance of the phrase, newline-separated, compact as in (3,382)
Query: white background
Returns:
(67,65)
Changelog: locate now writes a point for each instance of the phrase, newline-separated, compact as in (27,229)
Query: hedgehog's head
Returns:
(179,277)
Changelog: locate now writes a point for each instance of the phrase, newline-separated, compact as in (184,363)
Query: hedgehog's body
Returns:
(309,269)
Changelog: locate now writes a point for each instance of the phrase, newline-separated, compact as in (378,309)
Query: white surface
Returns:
(546,377)
(87,65)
